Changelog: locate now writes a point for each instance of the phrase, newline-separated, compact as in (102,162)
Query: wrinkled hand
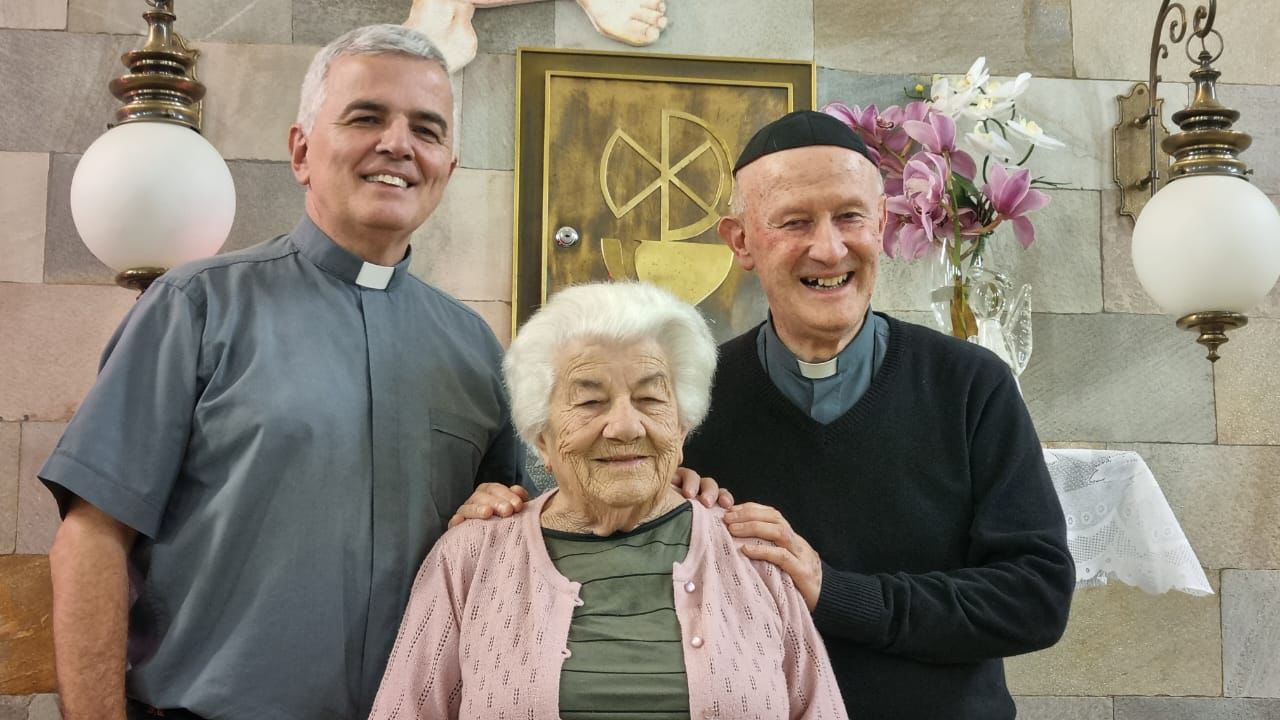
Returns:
(691,485)
(789,551)
(491,499)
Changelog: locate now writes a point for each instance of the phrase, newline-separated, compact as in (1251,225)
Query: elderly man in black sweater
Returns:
(895,468)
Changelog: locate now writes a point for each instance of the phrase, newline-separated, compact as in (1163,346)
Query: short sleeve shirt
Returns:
(289,435)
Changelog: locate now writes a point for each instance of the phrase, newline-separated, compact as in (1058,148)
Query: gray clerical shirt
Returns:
(825,391)
(289,429)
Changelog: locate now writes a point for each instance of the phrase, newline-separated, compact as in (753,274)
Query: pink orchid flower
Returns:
(937,134)
(863,122)
(1012,197)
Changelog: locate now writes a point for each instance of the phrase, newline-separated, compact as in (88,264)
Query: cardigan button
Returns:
(696,641)
(690,587)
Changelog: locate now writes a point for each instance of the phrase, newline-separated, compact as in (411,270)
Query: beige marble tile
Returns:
(1113,40)
(38,517)
(1122,641)
(34,14)
(1223,497)
(1111,377)
(489,113)
(38,87)
(503,29)
(1064,708)
(240,21)
(464,248)
(10,442)
(253,97)
(67,260)
(1251,633)
(497,314)
(1247,383)
(53,336)
(774,29)
(1176,708)
(927,36)
(25,177)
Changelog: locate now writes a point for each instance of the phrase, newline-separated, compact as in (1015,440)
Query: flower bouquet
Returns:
(942,203)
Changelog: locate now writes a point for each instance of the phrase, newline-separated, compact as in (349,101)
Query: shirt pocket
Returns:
(457,446)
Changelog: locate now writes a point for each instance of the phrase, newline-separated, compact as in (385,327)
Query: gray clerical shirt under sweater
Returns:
(289,436)
(825,391)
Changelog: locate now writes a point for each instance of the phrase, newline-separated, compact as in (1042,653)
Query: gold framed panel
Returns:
(635,153)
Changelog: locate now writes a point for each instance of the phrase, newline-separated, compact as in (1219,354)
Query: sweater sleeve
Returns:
(1015,593)
(811,685)
(423,679)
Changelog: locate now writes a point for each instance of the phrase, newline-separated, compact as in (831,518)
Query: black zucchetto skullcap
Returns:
(802,128)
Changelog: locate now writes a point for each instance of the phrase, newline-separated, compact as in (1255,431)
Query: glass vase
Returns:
(975,303)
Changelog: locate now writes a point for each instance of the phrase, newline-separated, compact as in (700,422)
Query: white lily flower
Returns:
(1008,92)
(949,101)
(976,76)
(991,144)
(1031,132)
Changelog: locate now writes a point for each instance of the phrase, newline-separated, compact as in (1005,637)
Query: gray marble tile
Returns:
(1082,114)
(38,517)
(926,37)
(268,203)
(1247,383)
(1189,708)
(1111,377)
(253,97)
(503,29)
(1062,266)
(10,442)
(1251,633)
(489,113)
(1247,26)
(22,215)
(1122,641)
(1063,708)
(316,22)
(1259,105)
(66,258)
(464,248)
(1223,497)
(44,707)
(862,89)
(39,90)
(241,21)
(14,707)
(53,336)
(774,29)
(34,14)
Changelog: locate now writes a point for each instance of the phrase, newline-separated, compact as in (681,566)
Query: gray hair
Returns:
(367,40)
(613,312)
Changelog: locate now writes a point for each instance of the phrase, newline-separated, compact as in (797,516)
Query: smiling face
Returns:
(811,230)
(613,438)
(378,156)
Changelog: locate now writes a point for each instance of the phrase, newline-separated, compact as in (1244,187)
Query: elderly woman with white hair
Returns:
(612,595)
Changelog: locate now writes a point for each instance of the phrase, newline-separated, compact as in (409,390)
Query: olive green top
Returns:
(625,659)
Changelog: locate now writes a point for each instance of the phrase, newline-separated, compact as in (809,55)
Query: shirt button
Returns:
(566,653)
(690,587)
(708,713)
(696,641)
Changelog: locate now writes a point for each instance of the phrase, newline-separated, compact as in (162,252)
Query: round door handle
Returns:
(567,237)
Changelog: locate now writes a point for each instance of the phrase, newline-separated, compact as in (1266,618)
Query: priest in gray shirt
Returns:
(278,435)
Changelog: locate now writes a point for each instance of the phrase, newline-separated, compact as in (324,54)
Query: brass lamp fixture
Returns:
(151,192)
(1206,245)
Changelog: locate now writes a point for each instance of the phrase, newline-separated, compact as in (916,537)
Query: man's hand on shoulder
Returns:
(490,499)
(692,485)
(789,551)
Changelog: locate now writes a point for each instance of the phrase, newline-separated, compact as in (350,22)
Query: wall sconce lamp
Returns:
(151,192)
(1206,246)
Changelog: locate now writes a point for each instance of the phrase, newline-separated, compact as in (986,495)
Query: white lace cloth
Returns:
(1119,525)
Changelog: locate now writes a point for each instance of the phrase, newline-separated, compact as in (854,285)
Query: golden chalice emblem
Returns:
(689,270)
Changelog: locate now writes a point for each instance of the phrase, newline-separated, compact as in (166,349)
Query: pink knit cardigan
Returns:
(485,631)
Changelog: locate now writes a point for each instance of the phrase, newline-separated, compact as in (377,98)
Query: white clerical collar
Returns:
(818,371)
(375,277)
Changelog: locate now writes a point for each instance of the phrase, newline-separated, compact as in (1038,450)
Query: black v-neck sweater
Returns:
(942,539)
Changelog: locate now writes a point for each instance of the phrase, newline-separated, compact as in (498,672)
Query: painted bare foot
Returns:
(634,22)
(447,23)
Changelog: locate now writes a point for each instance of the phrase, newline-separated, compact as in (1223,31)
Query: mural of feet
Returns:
(448,23)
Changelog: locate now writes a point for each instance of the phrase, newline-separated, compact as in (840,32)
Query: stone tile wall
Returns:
(1108,369)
